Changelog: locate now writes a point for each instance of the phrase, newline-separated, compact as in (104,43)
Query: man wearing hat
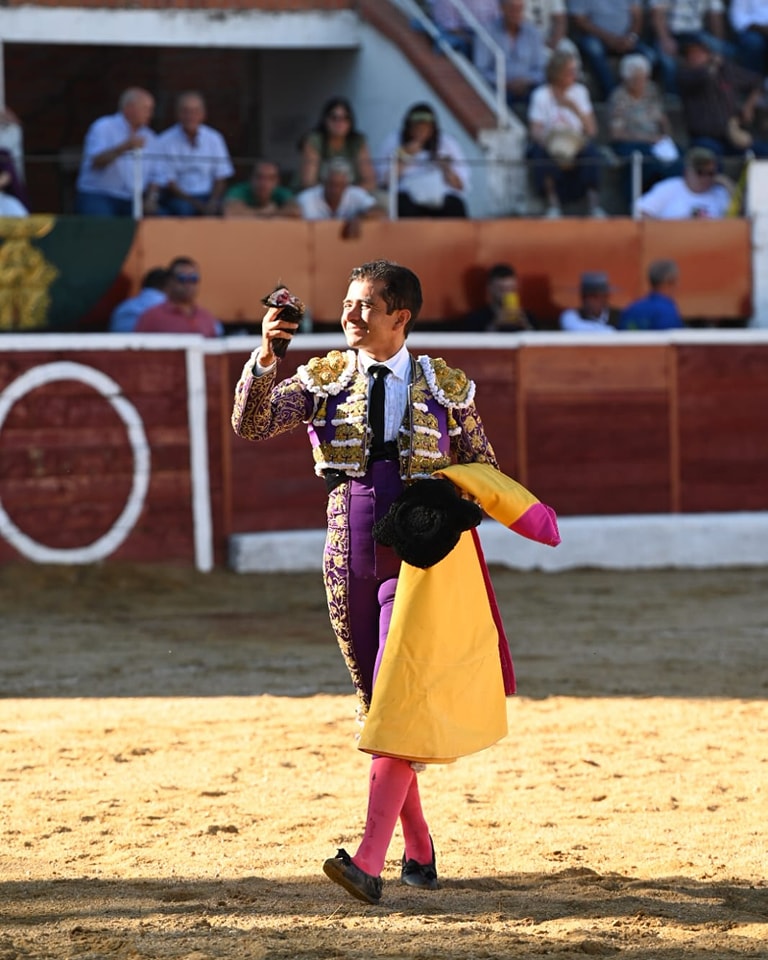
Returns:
(593,315)
(379,420)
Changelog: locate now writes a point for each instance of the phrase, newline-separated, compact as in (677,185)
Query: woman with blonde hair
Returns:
(562,125)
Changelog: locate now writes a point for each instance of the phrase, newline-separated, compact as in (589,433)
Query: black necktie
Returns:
(376,406)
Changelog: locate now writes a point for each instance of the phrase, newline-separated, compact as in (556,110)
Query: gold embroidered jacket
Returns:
(441,425)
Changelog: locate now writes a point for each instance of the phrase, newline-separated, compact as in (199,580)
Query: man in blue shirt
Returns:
(126,314)
(119,149)
(524,49)
(657,310)
(605,29)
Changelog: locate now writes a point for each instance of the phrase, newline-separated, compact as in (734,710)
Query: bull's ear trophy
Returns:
(291,309)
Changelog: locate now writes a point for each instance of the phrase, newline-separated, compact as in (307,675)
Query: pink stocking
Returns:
(389,785)
(418,845)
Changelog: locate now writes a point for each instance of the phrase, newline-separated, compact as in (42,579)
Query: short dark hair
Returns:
(501,271)
(181,262)
(155,279)
(401,290)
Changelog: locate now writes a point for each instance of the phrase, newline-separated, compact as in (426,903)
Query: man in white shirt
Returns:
(119,155)
(594,315)
(336,198)
(197,162)
(698,193)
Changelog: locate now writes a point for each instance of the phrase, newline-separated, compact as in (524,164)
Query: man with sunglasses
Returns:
(180,312)
(698,193)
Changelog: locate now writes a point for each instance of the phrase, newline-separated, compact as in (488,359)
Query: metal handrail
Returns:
(496,99)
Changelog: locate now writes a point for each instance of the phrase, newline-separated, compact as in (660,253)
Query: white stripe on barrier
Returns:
(644,541)
(110,390)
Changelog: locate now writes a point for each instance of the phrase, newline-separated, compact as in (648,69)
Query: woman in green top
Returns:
(336,136)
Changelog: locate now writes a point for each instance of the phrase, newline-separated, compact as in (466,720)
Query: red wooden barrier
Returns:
(121,448)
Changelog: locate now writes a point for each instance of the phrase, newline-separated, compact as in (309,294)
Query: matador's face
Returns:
(366,323)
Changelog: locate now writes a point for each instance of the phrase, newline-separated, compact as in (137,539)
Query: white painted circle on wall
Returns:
(110,390)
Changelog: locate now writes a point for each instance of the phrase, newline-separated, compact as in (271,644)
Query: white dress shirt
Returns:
(395,387)
(354,202)
(194,167)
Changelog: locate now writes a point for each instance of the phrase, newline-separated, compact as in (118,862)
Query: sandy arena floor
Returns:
(177,759)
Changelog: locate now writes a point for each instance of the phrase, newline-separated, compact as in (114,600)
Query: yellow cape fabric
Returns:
(500,496)
(439,694)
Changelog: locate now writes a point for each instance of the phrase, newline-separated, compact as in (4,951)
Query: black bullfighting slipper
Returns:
(360,884)
(422,875)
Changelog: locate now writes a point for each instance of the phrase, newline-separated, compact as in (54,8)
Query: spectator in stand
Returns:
(179,312)
(336,135)
(638,124)
(525,54)
(698,193)
(337,198)
(432,175)
(459,33)
(197,162)
(676,22)
(12,140)
(657,310)
(126,314)
(749,21)
(606,28)
(502,310)
(551,18)
(261,196)
(105,184)
(12,193)
(594,314)
(719,101)
(566,162)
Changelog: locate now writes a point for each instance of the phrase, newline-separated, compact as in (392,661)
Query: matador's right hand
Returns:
(274,327)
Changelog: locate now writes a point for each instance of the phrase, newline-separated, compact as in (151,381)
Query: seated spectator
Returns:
(566,162)
(336,135)
(196,160)
(605,29)
(638,124)
(337,198)
(593,315)
(12,140)
(179,312)
(455,28)
(676,22)
(698,193)
(502,310)
(12,193)
(105,184)
(749,21)
(551,18)
(525,54)
(719,100)
(262,196)
(432,175)
(126,314)
(657,310)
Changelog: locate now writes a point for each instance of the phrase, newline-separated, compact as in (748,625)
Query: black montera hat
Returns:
(426,521)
